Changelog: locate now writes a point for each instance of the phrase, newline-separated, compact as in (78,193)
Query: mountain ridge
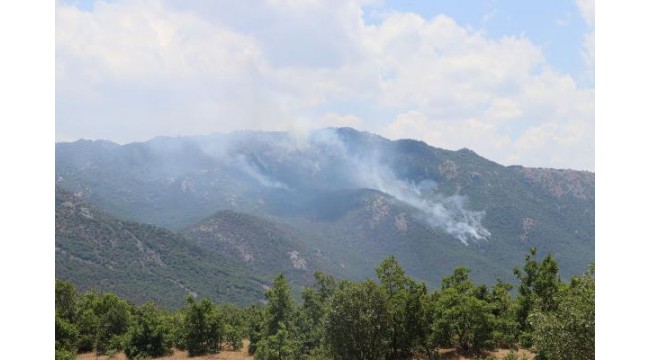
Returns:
(345,198)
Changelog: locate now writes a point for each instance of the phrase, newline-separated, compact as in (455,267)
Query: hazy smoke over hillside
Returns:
(446,212)
(323,160)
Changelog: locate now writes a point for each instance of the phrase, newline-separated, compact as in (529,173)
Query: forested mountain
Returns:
(143,262)
(336,200)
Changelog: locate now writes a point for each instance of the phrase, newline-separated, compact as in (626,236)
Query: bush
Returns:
(65,355)
(202,327)
(232,337)
(568,333)
(66,335)
(149,335)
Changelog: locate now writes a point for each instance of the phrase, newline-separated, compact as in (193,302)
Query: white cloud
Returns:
(588,12)
(133,70)
(461,89)
(337,120)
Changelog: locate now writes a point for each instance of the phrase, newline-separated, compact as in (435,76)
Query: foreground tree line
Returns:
(394,318)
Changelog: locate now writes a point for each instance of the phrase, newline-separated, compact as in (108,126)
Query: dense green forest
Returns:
(392,317)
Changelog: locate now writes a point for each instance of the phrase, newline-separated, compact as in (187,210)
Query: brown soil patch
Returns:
(452,354)
(445,354)
(223,355)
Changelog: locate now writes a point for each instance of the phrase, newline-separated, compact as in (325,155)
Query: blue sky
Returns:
(511,80)
(555,26)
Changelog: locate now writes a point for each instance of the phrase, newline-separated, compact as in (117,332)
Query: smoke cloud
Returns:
(446,212)
(324,160)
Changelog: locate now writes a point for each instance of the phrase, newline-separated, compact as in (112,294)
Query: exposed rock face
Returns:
(380,209)
(559,183)
(400,222)
(448,169)
(527,225)
(297,262)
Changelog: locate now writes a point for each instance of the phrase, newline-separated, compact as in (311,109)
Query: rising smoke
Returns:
(322,159)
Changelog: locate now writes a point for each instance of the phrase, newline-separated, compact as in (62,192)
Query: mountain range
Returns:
(220,215)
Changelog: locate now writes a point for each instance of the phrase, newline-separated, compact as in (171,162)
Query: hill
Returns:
(143,262)
(340,200)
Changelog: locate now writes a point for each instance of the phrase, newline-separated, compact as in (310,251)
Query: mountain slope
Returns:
(344,199)
(143,262)
(263,246)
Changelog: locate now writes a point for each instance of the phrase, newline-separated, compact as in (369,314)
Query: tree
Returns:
(278,340)
(66,335)
(66,332)
(150,333)
(279,346)
(102,321)
(87,320)
(461,317)
(502,306)
(357,323)
(113,322)
(65,301)
(234,327)
(404,298)
(254,316)
(202,327)
(568,332)
(281,306)
(315,303)
(538,289)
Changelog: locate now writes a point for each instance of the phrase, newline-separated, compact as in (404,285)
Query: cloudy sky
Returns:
(511,80)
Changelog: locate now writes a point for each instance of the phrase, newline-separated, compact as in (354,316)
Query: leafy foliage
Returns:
(462,317)
(394,318)
(66,335)
(316,301)
(150,333)
(279,338)
(405,301)
(568,332)
(538,289)
(114,316)
(202,327)
(357,324)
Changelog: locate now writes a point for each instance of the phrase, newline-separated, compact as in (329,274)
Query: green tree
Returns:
(462,317)
(234,326)
(65,300)
(568,332)
(538,289)
(404,298)
(254,317)
(66,335)
(281,305)
(506,329)
(315,303)
(87,320)
(113,322)
(202,327)
(177,321)
(279,346)
(66,332)
(357,323)
(280,315)
(150,333)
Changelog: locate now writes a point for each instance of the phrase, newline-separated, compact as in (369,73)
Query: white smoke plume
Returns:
(438,210)
(328,162)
